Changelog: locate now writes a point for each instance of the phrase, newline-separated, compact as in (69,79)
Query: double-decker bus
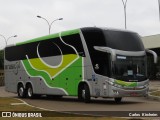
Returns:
(85,62)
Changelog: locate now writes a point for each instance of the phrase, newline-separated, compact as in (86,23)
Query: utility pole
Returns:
(159,8)
(125,15)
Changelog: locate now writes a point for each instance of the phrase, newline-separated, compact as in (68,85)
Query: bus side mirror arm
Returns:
(154,55)
(108,50)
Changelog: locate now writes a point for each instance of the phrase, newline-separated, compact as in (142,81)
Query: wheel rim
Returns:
(21,91)
(30,92)
(83,94)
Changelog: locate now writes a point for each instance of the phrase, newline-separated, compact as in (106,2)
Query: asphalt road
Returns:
(72,104)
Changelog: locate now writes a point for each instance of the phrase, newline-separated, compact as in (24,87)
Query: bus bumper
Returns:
(122,92)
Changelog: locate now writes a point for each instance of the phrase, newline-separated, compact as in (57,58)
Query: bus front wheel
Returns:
(84,93)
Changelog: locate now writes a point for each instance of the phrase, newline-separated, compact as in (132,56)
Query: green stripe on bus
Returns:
(127,84)
(67,79)
(65,33)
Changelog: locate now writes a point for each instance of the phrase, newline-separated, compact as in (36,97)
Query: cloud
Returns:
(19,16)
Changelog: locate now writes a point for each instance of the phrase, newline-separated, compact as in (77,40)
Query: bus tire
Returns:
(85,94)
(118,100)
(21,91)
(80,90)
(30,93)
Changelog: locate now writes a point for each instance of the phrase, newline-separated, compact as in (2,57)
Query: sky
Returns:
(18,17)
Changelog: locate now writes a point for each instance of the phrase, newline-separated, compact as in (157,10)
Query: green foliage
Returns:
(1,59)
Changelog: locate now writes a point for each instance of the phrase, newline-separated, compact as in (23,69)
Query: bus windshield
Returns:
(129,68)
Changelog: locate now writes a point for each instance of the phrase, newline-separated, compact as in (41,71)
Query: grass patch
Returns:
(156,93)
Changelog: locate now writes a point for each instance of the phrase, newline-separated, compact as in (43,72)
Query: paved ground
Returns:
(154,85)
(72,104)
(3,93)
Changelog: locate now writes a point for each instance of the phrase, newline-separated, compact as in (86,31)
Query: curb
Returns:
(152,97)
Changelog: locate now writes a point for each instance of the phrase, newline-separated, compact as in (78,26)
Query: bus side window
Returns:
(96,38)
(75,41)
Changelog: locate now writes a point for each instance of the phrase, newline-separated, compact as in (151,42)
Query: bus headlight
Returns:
(110,83)
(114,84)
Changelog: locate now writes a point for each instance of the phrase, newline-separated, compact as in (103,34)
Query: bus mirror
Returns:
(108,50)
(154,55)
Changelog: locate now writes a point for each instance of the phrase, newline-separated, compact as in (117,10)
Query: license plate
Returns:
(133,94)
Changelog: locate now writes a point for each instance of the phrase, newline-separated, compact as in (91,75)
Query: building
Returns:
(153,42)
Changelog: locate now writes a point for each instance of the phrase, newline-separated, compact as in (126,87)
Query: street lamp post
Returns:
(6,39)
(125,16)
(49,24)
(159,8)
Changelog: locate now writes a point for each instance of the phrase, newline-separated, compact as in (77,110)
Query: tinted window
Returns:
(129,68)
(50,47)
(75,41)
(121,40)
(96,38)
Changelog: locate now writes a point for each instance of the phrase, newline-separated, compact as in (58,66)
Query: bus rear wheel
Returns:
(30,91)
(21,91)
(84,94)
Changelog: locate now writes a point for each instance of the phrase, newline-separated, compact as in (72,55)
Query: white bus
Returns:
(85,62)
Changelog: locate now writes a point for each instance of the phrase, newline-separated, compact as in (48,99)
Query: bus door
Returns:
(96,85)
(93,80)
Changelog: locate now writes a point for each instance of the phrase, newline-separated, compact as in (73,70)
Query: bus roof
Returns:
(64,33)
(106,28)
(70,32)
